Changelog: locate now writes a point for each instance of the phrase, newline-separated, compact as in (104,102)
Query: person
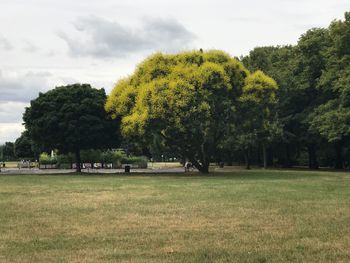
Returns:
(188,165)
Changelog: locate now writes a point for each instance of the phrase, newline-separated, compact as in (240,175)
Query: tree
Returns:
(189,99)
(24,146)
(331,118)
(259,123)
(70,119)
(8,151)
(313,104)
(281,64)
(297,71)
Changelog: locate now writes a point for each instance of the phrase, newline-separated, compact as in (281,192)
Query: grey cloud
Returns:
(22,88)
(5,44)
(11,112)
(97,37)
(30,47)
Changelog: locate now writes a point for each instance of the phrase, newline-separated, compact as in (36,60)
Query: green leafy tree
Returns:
(331,118)
(8,151)
(312,48)
(281,64)
(24,146)
(91,156)
(259,123)
(297,71)
(188,99)
(70,119)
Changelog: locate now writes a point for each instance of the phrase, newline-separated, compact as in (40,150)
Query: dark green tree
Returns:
(258,124)
(312,47)
(24,146)
(281,64)
(8,151)
(313,101)
(71,118)
(331,118)
(297,71)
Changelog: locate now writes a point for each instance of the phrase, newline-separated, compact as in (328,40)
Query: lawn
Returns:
(240,216)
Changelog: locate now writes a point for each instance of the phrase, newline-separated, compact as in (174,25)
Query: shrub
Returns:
(44,158)
(140,161)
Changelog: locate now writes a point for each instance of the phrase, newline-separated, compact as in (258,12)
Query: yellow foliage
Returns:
(259,88)
(122,98)
(217,56)
(213,77)
(184,90)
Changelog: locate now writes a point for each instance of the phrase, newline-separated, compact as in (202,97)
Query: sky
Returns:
(49,43)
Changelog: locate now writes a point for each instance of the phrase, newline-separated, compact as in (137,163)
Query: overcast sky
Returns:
(46,43)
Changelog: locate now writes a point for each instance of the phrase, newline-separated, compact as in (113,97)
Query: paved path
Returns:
(99,171)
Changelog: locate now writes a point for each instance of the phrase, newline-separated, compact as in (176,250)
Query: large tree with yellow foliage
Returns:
(189,99)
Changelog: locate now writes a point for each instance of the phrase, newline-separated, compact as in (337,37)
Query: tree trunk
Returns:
(269,154)
(203,164)
(78,161)
(313,164)
(183,159)
(202,168)
(264,155)
(339,156)
(247,158)
(287,162)
(258,156)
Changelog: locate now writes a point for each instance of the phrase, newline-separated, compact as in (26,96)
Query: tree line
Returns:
(278,106)
(313,96)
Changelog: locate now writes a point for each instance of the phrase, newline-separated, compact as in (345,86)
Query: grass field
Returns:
(242,216)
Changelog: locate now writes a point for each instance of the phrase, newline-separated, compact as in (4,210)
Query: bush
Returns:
(44,158)
(119,157)
(91,156)
(64,166)
(107,156)
(140,161)
(64,161)
(116,157)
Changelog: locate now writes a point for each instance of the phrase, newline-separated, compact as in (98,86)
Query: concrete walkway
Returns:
(95,171)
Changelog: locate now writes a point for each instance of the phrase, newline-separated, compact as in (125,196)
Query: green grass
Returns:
(241,216)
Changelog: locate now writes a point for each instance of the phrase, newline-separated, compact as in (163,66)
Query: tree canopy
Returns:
(24,147)
(7,151)
(313,104)
(70,118)
(189,99)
